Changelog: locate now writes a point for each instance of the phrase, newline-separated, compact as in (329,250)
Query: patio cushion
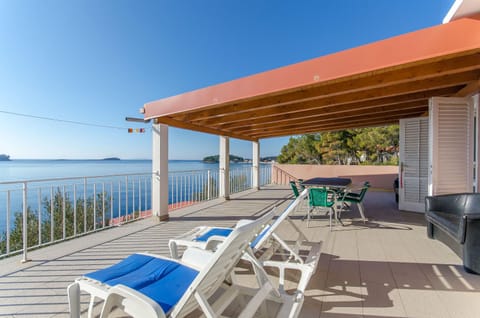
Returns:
(214,232)
(151,276)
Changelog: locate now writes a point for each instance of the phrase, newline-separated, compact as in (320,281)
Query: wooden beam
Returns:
(347,125)
(174,123)
(373,79)
(386,101)
(319,120)
(371,94)
(336,122)
(469,89)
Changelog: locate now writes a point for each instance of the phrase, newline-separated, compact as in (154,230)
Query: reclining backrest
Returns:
(265,235)
(221,264)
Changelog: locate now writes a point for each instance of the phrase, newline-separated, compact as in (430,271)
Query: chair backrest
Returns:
(319,197)
(364,190)
(269,229)
(293,185)
(300,183)
(220,265)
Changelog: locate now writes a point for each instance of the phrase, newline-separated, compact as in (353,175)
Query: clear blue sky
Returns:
(99,61)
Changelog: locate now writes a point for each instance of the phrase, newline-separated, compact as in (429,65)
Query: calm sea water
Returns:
(17,170)
(20,170)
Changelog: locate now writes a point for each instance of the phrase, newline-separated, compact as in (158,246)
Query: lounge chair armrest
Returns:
(243,222)
(196,257)
(133,302)
(214,241)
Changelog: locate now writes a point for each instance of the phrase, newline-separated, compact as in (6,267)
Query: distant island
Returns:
(4,157)
(269,159)
(111,158)
(216,159)
(236,159)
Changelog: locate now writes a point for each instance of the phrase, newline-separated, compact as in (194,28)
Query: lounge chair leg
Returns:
(73,291)
(308,217)
(91,304)
(360,209)
(330,219)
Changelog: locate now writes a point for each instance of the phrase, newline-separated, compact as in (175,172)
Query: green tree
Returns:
(337,148)
(16,235)
(377,145)
(55,207)
(301,150)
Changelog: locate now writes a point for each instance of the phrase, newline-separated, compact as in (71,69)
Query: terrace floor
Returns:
(384,268)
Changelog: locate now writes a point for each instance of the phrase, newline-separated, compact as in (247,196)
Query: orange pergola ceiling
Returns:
(371,85)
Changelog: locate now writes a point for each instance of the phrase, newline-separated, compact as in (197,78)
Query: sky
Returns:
(96,62)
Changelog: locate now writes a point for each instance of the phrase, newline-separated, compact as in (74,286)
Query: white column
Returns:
(224,165)
(160,172)
(256,165)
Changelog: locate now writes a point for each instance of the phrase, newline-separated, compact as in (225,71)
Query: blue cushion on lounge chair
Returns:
(214,232)
(259,236)
(150,276)
(168,290)
(130,264)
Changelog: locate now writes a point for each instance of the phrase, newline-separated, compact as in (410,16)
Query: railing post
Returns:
(25,224)
(84,205)
(8,222)
(208,184)
(74,210)
(39,216)
(64,214)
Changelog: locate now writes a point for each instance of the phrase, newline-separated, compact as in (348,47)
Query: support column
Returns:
(224,166)
(160,172)
(256,165)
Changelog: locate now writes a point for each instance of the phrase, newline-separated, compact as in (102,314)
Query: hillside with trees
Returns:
(216,159)
(365,146)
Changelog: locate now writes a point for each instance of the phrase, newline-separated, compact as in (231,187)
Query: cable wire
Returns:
(62,120)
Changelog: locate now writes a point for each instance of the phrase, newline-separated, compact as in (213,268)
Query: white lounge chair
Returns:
(146,285)
(209,238)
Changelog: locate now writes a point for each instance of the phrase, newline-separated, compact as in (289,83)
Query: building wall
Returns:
(381,177)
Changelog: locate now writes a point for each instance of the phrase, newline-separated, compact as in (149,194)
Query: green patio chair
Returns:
(293,185)
(296,193)
(323,200)
(352,196)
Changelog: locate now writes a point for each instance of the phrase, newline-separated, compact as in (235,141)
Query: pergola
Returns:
(371,85)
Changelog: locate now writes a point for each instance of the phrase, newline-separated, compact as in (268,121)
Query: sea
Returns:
(13,172)
(19,170)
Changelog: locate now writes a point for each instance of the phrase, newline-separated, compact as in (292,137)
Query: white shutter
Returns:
(414,164)
(451,131)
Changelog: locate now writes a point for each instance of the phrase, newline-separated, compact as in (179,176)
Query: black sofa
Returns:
(454,219)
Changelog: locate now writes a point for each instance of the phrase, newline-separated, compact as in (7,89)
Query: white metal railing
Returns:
(35,213)
(190,187)
(46,211)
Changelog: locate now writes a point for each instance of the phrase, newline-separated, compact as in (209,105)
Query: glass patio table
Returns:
(339,183)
